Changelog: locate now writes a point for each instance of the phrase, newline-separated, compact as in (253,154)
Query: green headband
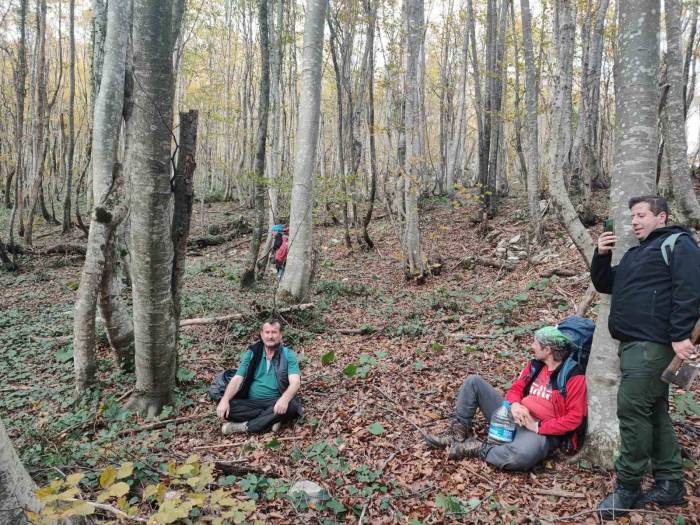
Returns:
(552,337)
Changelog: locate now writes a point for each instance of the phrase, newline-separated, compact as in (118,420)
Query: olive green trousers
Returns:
(647,438)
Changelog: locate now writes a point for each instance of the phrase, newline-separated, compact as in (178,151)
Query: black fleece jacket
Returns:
(652,301)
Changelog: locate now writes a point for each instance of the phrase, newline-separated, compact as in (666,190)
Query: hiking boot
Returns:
(276,427)
(465,449)
(619,503)
(664,493)
(455,434)
(234,428)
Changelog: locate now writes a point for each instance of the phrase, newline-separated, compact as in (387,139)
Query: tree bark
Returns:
(107,120)
(295,282)
(16,487)
(531,96)
(67,220)
(562,133)
(371,12)
(248,277)
(673,121)
(149,174)
(634,168)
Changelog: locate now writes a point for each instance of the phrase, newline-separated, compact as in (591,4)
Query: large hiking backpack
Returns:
(219,384)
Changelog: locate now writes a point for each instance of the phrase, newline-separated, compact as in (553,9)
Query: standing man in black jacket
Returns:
(655,304)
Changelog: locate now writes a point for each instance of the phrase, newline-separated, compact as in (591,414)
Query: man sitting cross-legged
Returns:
(545,417)
(262,394)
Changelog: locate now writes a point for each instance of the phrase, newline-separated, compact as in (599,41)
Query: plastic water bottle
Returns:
(502,427)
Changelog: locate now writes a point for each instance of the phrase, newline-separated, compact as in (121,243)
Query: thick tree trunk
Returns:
(150,234)
(371,11)
(107,121)
(248,277)
(531,96)
(295,282)
(634,168)
(673,121)
(16,487)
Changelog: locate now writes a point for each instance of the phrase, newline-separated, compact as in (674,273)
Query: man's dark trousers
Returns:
(646,431)
(259,413)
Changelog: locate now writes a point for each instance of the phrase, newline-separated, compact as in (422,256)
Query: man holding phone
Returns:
(654,306)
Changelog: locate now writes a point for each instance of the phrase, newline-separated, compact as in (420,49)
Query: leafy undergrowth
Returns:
(381,358)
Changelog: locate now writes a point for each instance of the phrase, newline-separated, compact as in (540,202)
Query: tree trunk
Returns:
(67,221)
(562,133)
(150,233)
(371,11)
(414,263)
(634,167)
(16,487)
(40,121)
(248,277)
(295,282)
(673,121)
(107,121)
(531,96)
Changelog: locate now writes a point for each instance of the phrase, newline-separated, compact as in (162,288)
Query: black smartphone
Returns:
(609,225)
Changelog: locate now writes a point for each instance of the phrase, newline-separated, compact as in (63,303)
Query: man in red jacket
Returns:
(546,416)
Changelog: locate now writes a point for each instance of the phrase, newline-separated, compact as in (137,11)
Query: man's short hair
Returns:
(556,340)
(656,204)
(273,321)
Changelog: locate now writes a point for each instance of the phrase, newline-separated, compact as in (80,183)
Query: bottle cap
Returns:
(506,403)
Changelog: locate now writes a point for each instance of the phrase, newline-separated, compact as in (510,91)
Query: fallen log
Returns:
(561,272)
(230,317)
(218,235)
(468,263)
(58,249)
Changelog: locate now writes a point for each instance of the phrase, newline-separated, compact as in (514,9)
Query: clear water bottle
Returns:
(502,427)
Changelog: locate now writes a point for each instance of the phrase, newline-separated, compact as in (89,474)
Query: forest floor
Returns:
(380,358)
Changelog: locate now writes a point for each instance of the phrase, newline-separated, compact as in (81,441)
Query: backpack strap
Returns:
(668,245)
(535,368)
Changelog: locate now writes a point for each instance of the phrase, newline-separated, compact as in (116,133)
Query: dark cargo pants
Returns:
(527,448)
(259,412)
(646,431)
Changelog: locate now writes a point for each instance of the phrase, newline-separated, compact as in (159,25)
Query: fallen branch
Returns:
(58,249)
(231,317)
(561,272)
(559,493)
(468,263)
(110,509)
(586,302)
(161,424)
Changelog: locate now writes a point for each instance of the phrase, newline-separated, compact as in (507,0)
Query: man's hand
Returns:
(520,413)
(530,423)
(222,409)
(684,349)
(606,241)
(280,407)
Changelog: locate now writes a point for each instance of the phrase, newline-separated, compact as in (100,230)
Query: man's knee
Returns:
(508,457)
(472,381)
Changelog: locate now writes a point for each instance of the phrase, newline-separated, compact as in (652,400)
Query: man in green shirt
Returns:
(262,393)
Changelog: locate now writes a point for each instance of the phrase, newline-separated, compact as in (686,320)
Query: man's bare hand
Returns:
(684,349)
(606,242)
(222,409)
(280,407)
(520,413)
(530,423)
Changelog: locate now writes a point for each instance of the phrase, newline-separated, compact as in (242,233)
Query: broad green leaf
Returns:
(350,370)
(437,347)
(419,365)
(274,443)
(376,428)
(327,358)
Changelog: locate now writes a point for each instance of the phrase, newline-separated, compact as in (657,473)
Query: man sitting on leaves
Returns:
(262,393)
(547,416)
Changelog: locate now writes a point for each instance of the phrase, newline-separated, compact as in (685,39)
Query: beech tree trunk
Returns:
(67,220)
(297,275)
(634,170)
(531,96)
(248,277)
(16,487)
(107,121)
(673,121)
(151,205)
(562,133)
(414,263)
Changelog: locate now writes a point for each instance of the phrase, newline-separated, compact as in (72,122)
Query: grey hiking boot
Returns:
(465,449)
(234,428)
(276,427)
(455,434)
